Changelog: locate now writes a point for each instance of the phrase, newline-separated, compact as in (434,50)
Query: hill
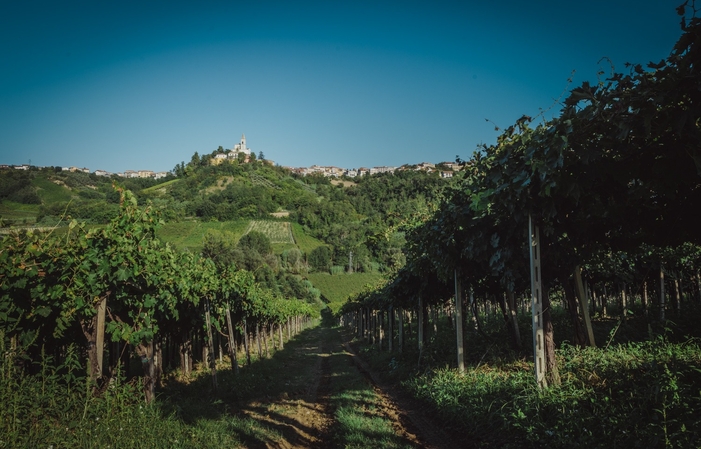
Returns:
(365,217)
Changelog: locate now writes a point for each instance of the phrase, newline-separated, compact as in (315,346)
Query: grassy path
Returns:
(315,393)
(312,395)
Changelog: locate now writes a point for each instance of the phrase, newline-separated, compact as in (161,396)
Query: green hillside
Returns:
(304,241)
(189,235)
(337,288)
(51,191)
(364,217)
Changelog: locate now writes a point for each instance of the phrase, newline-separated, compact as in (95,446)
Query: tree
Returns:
(320,258)
(219,246)
(256,241)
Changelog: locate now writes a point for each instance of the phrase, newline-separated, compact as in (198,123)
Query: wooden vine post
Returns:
(420,332)
(537,305)
(390,330)
(400,330)
(662,293)
(458,322)
(100,340)
(232,343)
(584,305)
(212,360)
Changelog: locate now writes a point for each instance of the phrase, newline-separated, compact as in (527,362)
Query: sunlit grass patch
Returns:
(338,288)
(360,419)
(305,243)
(189,235)
(50,192)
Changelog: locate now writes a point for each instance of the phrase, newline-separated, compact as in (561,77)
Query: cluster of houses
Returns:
(336,172)
(241,152)
(126,174)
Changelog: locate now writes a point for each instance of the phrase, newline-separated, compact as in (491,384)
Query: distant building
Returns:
(382,169)
(241,148)
(426,166)
(219,158)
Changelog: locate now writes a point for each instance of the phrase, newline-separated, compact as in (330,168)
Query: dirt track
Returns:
(306,420)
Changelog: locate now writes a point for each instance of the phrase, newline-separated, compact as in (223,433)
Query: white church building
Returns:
(240,148)
(233,154)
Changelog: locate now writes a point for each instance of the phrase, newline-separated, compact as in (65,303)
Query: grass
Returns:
(189,235)
(360,419)
(630,394)
(267,404)
(304,242)
(50,192)
(337,288)
(17,212)
(160,188)
(56,408)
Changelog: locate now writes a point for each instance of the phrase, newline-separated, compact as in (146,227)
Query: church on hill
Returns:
(241,147)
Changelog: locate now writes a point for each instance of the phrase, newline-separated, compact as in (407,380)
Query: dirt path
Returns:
(406,410)
(304,418)
(308,418)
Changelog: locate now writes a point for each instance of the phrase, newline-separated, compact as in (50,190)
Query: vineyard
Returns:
(591,216)
(276,231)
(121,285)
(547,294)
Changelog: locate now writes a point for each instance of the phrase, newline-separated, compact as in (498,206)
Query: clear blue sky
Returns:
(143,84)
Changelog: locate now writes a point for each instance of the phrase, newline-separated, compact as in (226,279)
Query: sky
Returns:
(143,85)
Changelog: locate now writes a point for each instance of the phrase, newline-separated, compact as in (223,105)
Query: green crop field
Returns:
(189,235)
(16,212)
(338,288)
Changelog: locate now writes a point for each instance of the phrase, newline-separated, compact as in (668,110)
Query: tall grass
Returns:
(57,408)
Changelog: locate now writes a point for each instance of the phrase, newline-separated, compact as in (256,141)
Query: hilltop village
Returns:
(242,154)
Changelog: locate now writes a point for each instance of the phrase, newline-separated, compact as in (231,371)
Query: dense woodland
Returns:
(571,243)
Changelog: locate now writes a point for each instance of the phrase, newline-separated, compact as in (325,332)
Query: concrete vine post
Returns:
(537,305)
(458,323)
